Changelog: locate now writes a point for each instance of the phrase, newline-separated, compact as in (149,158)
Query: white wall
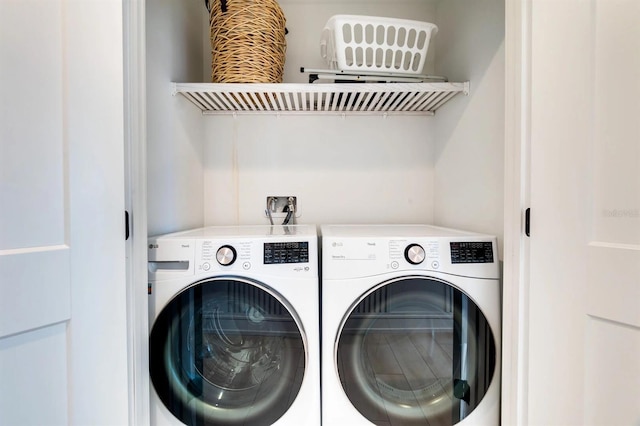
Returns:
(174,129)
(352,169)
(469,131)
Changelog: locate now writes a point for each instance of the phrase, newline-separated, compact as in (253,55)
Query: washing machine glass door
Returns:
(227,352)
(415,351)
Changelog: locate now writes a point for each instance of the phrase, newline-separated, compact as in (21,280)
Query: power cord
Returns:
(290,209)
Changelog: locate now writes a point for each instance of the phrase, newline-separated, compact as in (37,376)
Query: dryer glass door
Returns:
(227,352)
(415,351)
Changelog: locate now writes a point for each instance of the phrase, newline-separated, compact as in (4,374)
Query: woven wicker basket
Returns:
(247,41)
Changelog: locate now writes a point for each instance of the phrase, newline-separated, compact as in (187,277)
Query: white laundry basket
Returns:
(371,44)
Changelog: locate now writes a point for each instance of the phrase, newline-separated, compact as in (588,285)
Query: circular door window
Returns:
(227,352)
(415,351)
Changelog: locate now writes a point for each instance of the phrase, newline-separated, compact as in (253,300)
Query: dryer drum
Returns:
(227,359)
(405,358)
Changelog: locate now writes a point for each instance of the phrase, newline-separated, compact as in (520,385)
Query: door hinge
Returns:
(126,225)
(527,222)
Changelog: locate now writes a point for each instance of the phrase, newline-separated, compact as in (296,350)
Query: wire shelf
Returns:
(330,98)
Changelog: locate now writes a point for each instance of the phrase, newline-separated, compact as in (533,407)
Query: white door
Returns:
(63,356)
(584,290)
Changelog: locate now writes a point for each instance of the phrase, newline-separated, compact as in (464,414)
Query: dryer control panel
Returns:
(368,250)
(471,252)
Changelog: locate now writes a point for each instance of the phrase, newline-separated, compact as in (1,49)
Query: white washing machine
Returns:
(410,326)
(234,314)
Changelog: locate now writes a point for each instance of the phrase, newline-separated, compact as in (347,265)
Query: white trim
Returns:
(516,250)
(615,246)
(31,250)
(135,203)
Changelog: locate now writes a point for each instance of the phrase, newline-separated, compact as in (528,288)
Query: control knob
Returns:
(414,254)
(226,255)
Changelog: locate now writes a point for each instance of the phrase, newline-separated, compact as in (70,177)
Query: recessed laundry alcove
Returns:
(216,151)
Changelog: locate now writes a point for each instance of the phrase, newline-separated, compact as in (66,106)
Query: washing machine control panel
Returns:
(240,255)
(286,252)
(274,253)
(211,253)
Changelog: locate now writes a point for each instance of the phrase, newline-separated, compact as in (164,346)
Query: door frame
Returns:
(516,200)
(135,142)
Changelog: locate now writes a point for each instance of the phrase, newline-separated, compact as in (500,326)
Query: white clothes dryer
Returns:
(410,320)
(234,315)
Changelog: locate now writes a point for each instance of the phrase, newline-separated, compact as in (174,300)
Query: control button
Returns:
(246,265)
(394,265)
(206,266)
(435,264)
(414,254)
(226,255)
